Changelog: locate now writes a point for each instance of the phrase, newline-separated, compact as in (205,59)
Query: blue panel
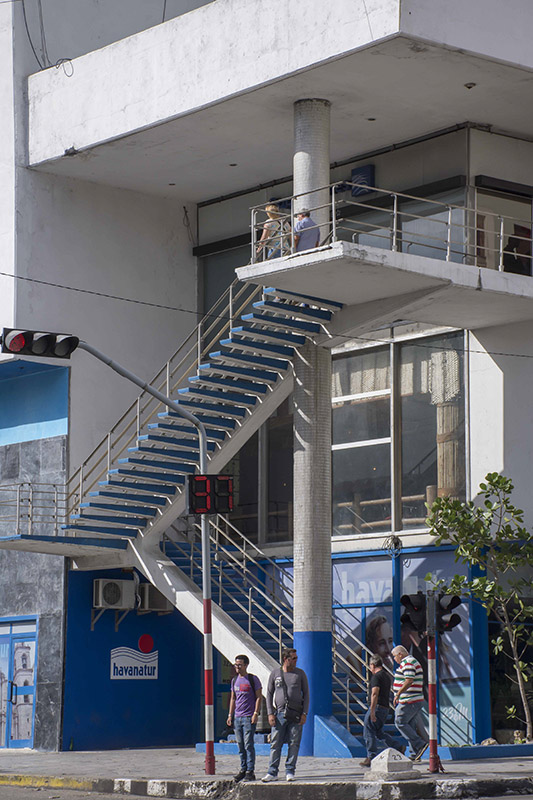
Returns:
(479,671)
(101,713)
(333,740)
(314,657)
(33,402)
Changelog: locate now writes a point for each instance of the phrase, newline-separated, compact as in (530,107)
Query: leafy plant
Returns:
(489,535)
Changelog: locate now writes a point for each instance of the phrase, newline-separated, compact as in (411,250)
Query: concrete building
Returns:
(388,366)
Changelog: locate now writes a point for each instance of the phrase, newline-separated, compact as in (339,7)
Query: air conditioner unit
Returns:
(152,599)
(113,594)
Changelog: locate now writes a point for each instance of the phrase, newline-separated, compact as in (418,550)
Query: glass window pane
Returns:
(424,227)
(361,419)
(243,467)
(513,214)
(361,373)
(280,473)
(361,490)
(24,627)
(433,424)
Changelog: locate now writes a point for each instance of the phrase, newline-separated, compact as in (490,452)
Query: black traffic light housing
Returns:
(446,621)
(210,494)
(38,343)
(415,611)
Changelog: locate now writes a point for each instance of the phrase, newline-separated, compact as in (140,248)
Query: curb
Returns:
(426,789)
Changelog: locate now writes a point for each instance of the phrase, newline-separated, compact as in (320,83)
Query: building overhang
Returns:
(381,287)
(201,105)
(64,545)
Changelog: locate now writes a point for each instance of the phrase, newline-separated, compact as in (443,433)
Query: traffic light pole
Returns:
(206,562)
(434,759)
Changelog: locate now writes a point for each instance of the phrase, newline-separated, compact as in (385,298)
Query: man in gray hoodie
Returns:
(287,701)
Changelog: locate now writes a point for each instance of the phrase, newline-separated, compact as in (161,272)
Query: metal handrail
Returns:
(395,236)
(211,328)
(25,505)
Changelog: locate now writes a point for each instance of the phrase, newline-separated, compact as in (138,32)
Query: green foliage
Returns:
(489,535)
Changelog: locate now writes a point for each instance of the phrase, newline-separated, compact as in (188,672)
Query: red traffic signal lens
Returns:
(15,342)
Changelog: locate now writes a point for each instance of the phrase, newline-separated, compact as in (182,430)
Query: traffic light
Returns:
(445,619)
(415,611)
(38,343)
(210,494)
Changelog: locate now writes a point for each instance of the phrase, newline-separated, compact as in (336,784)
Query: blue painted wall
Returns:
(100,713)
(33,401)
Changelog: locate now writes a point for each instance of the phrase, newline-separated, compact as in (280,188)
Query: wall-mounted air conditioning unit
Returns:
(152,599)
(110,593)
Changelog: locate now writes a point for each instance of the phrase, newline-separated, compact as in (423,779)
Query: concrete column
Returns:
(312,528)
(311,160)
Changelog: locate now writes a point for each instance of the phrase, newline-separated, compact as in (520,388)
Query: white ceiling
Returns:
(409,88)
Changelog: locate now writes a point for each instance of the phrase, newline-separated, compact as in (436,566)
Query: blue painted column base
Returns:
(314,657)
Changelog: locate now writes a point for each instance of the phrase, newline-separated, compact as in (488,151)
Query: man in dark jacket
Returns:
(378,709)
(287,701)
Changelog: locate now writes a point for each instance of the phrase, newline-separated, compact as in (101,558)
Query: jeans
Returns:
(405,719)
(244,733)
(373,732)
(290,732)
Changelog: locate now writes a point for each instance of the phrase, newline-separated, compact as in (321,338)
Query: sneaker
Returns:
(366,763)
(421,752)
(268,778)
(401,748)
(239,776)
(290,776)
(250,776)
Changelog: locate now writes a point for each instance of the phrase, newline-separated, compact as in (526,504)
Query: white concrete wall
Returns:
(112,242)
(215,52)
(7,166)
(501,157)
(500,30)
(501,412)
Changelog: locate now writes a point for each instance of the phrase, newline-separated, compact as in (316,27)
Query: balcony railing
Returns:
(370,216)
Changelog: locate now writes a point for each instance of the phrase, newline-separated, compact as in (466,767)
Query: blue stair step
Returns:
(101,529)
(143,476)
(132,522)
(173,442)
(134,498)
(248,358)
(173,427)
(184,455)
(157,488)
(187,469)
(299,312)
(219,422)
(219,396)
(277,337)
(199,404)
(276,322)
(257,347)
(232,385)
(303,298)
(114,507)
(260,375)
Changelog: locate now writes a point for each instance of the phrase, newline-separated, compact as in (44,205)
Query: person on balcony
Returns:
(517,253)
(275,239)
(287,701)
(306,232)
(244,707)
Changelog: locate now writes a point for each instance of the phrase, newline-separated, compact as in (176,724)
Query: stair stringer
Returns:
(228,636)
(220,458)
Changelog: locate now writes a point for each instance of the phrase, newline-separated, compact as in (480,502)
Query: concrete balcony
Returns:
(182,101)
(389,257)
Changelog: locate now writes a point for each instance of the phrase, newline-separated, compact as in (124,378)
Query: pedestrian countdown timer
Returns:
(210,494)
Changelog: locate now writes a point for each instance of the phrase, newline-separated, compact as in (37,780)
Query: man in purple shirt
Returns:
(244,707)
(306,232)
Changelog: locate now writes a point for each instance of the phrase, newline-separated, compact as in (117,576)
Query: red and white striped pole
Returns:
(208,649)
(434,760)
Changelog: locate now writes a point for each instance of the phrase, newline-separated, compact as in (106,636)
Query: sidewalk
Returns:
(179,773)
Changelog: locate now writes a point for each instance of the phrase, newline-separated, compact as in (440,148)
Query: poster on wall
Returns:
(130,664)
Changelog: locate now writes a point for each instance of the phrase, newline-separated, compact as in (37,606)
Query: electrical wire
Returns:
(164,10)
(366,339)
(41,66)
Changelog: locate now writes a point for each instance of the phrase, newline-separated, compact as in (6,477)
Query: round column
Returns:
(312,529)
(311,160)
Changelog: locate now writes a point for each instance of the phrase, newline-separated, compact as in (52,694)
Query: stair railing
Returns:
(174,374)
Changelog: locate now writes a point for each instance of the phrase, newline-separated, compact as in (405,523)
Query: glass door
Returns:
(17,683)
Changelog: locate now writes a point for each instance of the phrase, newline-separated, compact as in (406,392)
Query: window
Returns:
(383,474)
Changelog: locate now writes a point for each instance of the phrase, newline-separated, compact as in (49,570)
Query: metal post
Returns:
(280,636)
(434,760)
(206,561)
(333,216)
(394,245)
(18,509)
(199,347)
(348,703)
(500,260)
(108,451)
(168,380)
(292,224)
(138,416)
(449,234)
(230,306)
(252,224)
(250,610)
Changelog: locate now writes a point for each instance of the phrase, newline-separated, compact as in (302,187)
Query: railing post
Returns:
(220,583)
(55,508)
(348,703)
(138,414)
(199,345)
(30,508)
(280,636)
(108,451)
(250,610)
(394,245)
(333,216)
(81,487)
(252,237)
(292,224)
(168,382)
(230,306)
(500,259)
(449,234)
(18,509)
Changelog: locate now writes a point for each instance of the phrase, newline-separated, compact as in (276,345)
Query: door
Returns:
(18,641)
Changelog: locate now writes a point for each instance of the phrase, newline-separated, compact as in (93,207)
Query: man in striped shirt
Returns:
(408,700)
